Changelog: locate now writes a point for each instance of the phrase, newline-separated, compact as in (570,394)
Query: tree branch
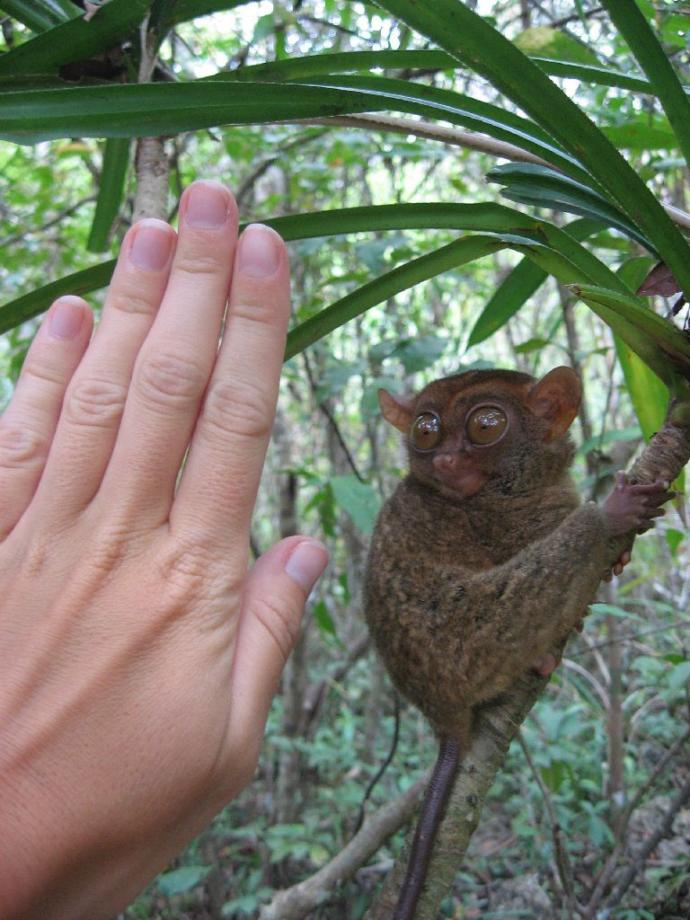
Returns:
(296,902)
(458,138)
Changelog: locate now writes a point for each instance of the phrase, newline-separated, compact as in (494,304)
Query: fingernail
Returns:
(259,251)
(152,245)
(306,563)
(66,318)
(206,205)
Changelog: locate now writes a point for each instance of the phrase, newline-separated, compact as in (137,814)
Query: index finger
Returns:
(220,480)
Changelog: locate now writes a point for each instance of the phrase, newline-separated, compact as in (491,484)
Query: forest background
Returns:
(589,815)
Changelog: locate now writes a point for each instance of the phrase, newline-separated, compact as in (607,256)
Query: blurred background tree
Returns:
(391,144)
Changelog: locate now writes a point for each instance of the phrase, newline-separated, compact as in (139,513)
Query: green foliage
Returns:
(406,268)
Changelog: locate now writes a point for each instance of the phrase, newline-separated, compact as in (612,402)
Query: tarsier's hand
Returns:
(138,653)
(632,508)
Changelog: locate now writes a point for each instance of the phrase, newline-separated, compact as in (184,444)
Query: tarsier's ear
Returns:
(556,399)
(397,410)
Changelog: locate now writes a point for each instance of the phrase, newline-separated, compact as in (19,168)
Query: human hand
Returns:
(138,656)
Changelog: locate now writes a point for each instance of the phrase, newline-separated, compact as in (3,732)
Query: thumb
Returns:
(272,605)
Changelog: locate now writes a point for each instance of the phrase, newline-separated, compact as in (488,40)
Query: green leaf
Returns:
(673,539)
(511,294)
(184,10)
(543,41)
(113,174)
(419,353)
(464,34)
(679,676)
(180,880)
(640,135)
(388,285)
(644,44)
(482,216)
(323,619)
(460,109)
(517,287)
(300,68)
(600,76)
(39,15)
(533,344)
(649,395)
(30,305)
(163,108)
(543,187)
(358,500)
(76,40)
(657,341)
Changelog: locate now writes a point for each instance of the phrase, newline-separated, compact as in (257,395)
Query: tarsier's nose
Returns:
(445,463)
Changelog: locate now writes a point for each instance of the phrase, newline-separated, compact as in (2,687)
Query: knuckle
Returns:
(170,380)
(132,301)
(184,570)
(239,408)
(278,621)
(21,447)
(42,371)
(199,262)
(95,403)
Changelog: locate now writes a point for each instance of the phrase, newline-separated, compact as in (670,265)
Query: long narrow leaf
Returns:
(463,33)
(599,76)
(672,345)
(463,110)
(75,40)
(167,108)
(518,286)
(483,217)
(30,305)
(37,15)
(644,44)
(115,163)
(529,183)
(400,279)
(317,65)
(185,10)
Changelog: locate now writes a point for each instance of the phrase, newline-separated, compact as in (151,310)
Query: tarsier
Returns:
(483,559)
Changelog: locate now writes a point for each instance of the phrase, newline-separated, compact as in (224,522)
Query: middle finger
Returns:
(176,359)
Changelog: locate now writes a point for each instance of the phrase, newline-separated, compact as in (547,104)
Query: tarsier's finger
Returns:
(649,488)
(95,398)
(27,427)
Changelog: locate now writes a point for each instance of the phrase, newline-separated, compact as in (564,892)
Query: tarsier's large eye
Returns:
(426,431)
(486,425)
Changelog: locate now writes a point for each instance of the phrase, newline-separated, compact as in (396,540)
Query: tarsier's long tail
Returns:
(435,799)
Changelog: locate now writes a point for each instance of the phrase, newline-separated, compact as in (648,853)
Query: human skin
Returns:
(138,651)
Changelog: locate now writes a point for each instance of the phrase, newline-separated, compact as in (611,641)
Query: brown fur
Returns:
(482,561)
(462,593)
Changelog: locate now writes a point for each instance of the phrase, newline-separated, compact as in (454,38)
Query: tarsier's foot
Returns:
(618,565)
(545,665)
(631,508)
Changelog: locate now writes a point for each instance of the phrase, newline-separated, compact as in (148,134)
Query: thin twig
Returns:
(653,841)
(611,864)
(18,237)
(331,419)
(565,869)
